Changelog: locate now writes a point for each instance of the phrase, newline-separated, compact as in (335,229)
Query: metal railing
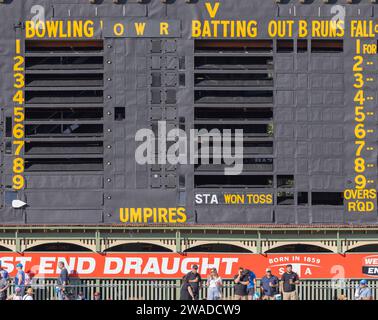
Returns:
(130,289)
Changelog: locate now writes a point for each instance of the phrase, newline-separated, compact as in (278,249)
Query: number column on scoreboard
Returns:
(360,195)
(18,129)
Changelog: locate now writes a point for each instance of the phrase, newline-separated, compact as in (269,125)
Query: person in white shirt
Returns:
(214,284)
(28,295)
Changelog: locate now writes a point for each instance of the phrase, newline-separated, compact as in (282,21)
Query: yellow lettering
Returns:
(212,10)
(196,28)
(164,28)
(118,29)
(302,28)
(139,28)
(29,29)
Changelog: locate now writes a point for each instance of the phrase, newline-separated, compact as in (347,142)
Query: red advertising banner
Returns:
(173,265)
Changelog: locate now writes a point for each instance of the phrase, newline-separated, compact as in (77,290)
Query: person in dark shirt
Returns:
(194,280)
(186,292)
(4,285)
(4,273)
(289,281)
(269,285)
(241,282)
(63,280)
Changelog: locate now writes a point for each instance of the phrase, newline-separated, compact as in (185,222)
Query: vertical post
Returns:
(18,242)
(97,288)
(98,241)
(178,249)
(339,250)
(178,241)
(258,243)
(338,243)
(178,289)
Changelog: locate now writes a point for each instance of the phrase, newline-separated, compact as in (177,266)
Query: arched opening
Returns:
(58,246)
(4,249)
(298,248)
(138,247)
(218,247)
(365,248)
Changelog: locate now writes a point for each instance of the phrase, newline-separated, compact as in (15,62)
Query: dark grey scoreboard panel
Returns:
(123,67)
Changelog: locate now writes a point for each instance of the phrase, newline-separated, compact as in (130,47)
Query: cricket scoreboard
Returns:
(182,111)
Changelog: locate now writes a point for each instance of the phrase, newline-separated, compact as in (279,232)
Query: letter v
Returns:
(212,11)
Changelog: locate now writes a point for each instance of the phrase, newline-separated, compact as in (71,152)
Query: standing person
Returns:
(363,292)
(290,280)
(241,282)
(63,281)
(16,295)
(19,279)
(4,285)
(28,279)
(269,285)
(251,284)
(28,295)
(97,296)
(4,273)
(214,284)
(186,292)
(81,296)
(194,280)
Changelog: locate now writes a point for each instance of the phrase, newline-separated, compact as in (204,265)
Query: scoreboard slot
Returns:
(285,45)
(233,63)
(285,198)
(249,165)
(326,46)
(63,147)
(255,130)
(55,46)
(327,198)
(237,96)
(63,97)
(285,181)
(233,113)
(257,147)
(64,80)
(63,130)
(233,79)
(222,181)
(64,63)
(48,114)
(219,46)
(63,164)
(249,147)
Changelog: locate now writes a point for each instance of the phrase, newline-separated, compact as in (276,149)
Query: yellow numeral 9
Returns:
(18,182)
(360,181)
